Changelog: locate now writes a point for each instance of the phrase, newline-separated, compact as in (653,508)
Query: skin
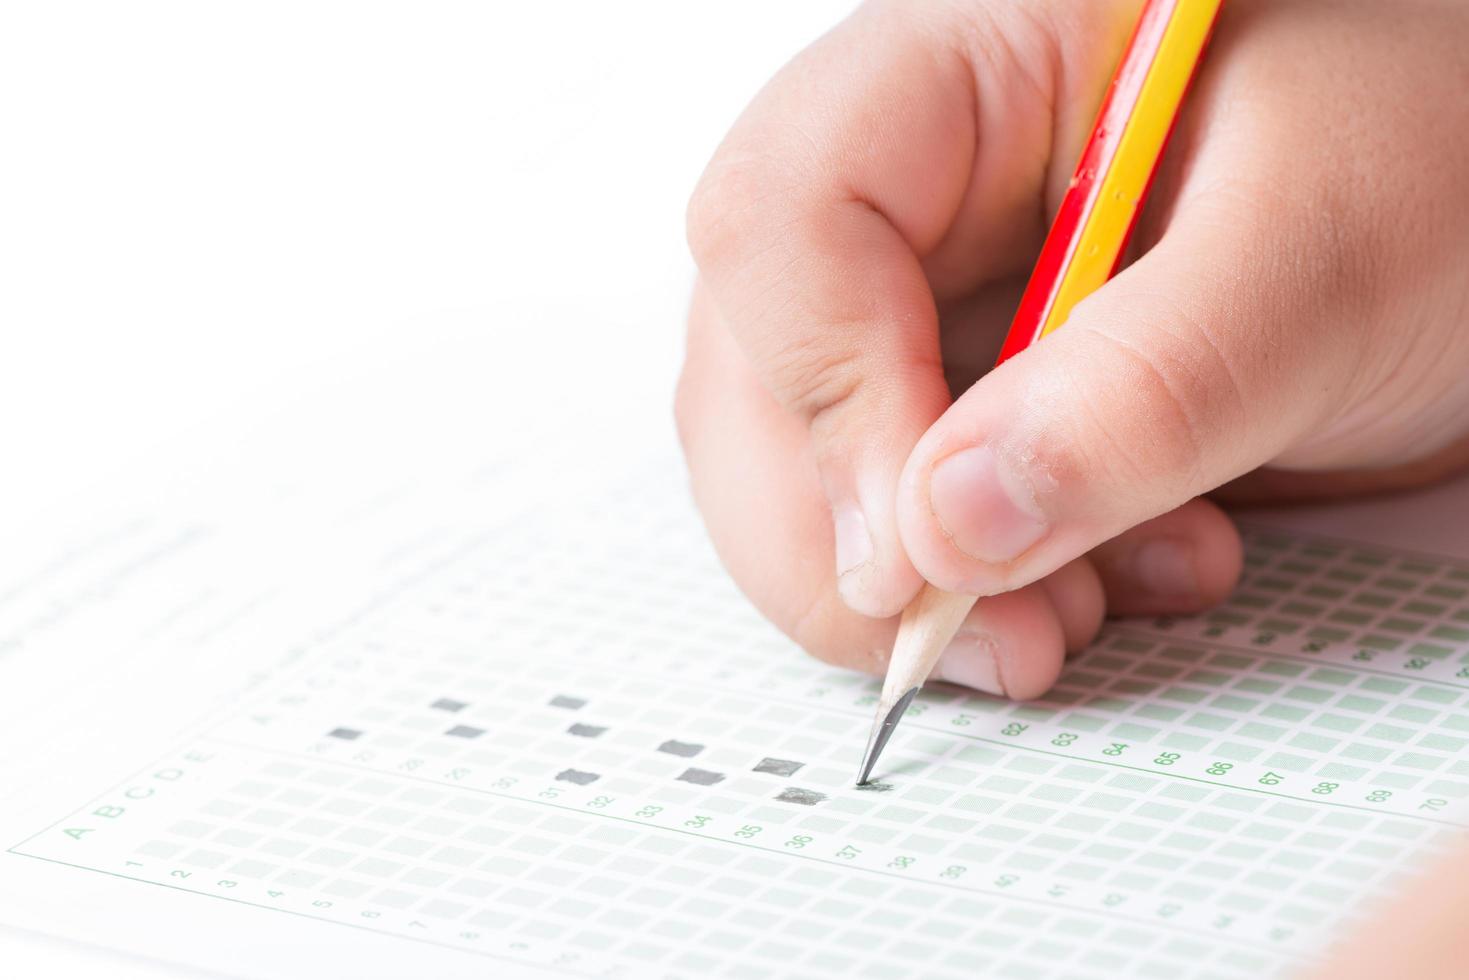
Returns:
(1295,324)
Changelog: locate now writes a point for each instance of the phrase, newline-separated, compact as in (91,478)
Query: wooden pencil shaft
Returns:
(927,626)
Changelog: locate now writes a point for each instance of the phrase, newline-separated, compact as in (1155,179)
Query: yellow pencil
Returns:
(1082,251)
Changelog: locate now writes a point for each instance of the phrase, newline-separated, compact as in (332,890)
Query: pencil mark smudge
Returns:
(577,776)
(701,777)
(778,767)
(805,797)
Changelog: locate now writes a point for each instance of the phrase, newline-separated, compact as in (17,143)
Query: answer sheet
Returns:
(400,738)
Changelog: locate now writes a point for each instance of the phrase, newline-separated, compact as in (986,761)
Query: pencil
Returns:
(1082,251)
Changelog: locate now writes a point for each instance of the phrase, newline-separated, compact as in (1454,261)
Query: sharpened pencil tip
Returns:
(882,730)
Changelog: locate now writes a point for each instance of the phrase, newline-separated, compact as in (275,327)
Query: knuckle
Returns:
(1177,440)
(816,376)
(722,210)
(1157,415)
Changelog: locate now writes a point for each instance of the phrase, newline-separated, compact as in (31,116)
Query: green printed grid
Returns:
(957,801)
(1161,837)
(1343,594)
(962,801)
(1083,823)
(1335,723)
(1332,723)
(597,886)
(1123,849)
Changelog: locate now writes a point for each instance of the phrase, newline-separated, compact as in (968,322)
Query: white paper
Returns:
(394,736)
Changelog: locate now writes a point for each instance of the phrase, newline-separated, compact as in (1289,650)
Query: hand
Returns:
(1419,935)
(863,233)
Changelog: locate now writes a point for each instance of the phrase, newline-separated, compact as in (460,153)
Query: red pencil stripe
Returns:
(1091,170)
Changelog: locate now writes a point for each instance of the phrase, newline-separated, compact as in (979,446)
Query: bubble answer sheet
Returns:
(395,738)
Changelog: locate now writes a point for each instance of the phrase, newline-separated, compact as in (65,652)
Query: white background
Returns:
(267,235)
(469,215)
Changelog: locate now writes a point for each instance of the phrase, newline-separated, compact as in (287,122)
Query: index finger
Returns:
(907,144)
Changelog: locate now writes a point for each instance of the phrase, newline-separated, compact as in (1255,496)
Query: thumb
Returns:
(1181,373)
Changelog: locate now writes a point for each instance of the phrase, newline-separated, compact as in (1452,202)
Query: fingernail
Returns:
(854,541)
(983,507)
(971,659)
(1164,567)
(854,548)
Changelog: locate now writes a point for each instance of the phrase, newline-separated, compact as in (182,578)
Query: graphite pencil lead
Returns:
(882,730)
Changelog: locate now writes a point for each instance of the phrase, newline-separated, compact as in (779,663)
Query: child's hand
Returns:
(1302,302)
(1416,931)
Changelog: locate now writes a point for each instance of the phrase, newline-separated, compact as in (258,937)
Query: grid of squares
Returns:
(608,893)
(1153,837)
(1323,592)
(1399,735)
(654,686)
